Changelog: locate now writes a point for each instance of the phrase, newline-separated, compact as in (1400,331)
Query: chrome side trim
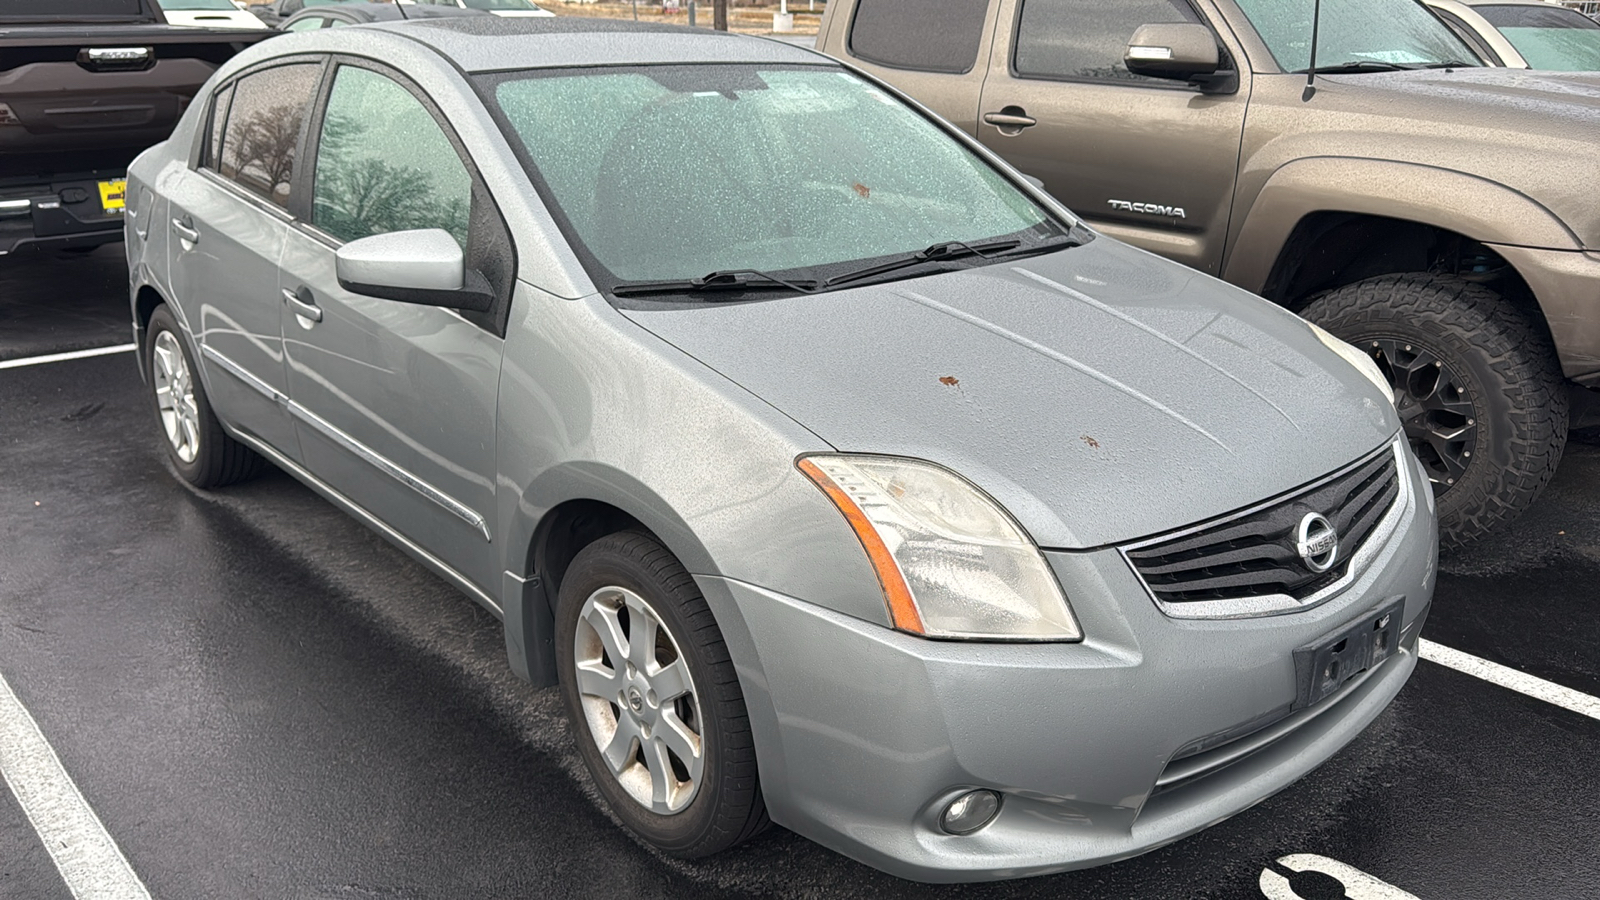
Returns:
(377,460)
(1277,604)
(438,566)
(384,464)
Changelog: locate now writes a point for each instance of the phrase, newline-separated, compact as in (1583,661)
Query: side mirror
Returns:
(1181,52)
(425,267)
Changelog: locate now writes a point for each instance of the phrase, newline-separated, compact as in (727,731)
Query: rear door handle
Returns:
(301,307)
(1010,120)
(183,229)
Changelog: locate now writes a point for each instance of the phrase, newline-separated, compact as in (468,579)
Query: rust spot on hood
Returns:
(1093,444)
(949,381)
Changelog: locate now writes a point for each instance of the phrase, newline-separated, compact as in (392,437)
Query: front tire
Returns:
(1476,383)
(202,453)
(653,698)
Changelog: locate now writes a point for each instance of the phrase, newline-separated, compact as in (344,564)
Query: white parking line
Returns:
(89,860)
(1506,677)
(63,357)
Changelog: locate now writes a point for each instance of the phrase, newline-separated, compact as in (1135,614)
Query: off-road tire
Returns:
(1508,366)
(220,459)
(727,808)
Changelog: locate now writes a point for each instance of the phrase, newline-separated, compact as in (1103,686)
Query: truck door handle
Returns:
(185,230)
(300,306)
(1010,120)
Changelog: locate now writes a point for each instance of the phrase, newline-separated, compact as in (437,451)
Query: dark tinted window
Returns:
(263,130)
(219,116)
(1534,17)
(384,164)
(931,35)
(1078,39)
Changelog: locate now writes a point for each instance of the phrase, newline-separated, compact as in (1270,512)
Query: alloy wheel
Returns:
(1435,407)
(639,700)
(174,387)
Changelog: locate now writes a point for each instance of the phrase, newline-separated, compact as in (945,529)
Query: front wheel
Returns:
(1476,384)
(654,700)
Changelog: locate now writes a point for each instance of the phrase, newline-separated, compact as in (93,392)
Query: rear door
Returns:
(228,218)
(1150,161)
(394,403)
(934,50)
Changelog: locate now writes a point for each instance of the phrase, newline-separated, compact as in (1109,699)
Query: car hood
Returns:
(1532,131)
(1101,393)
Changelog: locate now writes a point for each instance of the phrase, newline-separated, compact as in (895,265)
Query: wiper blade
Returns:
(1452,64)
(1357,65)
(1061,242)
(721,280)
(936,253)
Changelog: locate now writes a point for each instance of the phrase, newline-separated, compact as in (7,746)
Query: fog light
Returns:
(970,812)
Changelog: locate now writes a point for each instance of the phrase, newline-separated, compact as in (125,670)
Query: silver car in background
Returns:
(834,473)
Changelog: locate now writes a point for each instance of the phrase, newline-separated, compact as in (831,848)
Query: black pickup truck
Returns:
(84,86)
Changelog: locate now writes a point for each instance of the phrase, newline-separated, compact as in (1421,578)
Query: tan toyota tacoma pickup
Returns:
(1441,215)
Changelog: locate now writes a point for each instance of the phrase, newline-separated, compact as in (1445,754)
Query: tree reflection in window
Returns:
(384,164)
(263,129)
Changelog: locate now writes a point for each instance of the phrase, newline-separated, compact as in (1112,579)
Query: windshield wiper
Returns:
(721,280)
(1059,242)
(936,253)
(1358,65)
(1452,64)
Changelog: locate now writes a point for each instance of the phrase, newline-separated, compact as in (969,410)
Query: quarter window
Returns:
(1079,40)
(929,35)
(263,129)
(384,164)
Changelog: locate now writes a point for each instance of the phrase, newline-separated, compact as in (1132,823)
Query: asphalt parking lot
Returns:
(260,698)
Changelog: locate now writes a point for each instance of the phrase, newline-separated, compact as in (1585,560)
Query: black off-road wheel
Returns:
(653,698)
(1476,383)
(203,454)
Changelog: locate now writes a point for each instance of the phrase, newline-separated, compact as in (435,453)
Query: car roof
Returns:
(495,43)
(380,12)
(1514,3)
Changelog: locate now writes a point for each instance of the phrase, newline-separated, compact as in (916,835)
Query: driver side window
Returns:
(1073,39)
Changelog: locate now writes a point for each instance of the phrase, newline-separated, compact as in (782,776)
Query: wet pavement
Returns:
(261,698)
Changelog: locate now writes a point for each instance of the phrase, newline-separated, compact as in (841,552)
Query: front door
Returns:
(1149,161)
(394,402)
(228,220)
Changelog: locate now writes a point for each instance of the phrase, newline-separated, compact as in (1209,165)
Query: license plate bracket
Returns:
(1321,668)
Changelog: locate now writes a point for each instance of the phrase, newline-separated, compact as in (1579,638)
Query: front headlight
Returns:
(952,563)
(1354,357)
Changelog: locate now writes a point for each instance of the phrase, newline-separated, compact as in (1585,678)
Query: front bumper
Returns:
(864,733)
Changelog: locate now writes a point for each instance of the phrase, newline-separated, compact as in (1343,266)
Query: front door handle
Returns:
(184,228)
(302,308)
(1010,120)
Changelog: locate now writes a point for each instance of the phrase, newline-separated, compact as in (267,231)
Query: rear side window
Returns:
(1085,40)
(384,164)
(263,130)
(219,117)
(928,35)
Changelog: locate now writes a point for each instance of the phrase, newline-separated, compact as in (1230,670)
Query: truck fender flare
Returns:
(1477,208)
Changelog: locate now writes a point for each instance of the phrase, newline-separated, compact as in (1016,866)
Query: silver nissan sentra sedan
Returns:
(836,475)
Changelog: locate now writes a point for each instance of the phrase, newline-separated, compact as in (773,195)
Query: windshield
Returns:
(1552,38)
(675,172)
(499,4)
(197,4)
(1378,33)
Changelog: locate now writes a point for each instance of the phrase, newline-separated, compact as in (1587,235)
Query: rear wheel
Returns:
(1476,384)
(204,454)
(653,698)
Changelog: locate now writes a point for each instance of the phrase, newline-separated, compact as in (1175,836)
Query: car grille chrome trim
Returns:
(1306,593)
(377,460)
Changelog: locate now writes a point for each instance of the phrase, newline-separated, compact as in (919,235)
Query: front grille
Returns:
(1255,555)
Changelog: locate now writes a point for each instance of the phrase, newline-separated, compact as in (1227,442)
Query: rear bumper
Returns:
(61,213)
(864,734)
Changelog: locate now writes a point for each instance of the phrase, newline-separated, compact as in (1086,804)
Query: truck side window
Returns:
(1078,40)
(926,35)
(264,123)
